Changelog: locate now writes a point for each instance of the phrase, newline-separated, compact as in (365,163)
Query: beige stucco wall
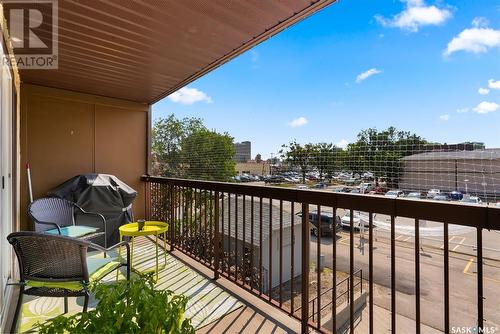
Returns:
(64,134)
(254,168)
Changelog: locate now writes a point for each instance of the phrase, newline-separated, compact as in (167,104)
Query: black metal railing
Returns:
(253,236)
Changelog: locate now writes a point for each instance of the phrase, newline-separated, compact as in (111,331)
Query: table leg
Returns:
(119,256)
(156,256)
(165,247)
(132,252)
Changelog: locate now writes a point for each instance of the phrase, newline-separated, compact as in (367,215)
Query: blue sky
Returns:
(416,65)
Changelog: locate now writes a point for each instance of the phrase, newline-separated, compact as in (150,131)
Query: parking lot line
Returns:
(345,241)
(407,238)
(450,239)
(467,267)
(459,244)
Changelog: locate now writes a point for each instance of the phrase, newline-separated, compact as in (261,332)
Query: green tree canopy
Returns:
(186,148)
(300,156)
(167,135)
(208,155)
(376,151)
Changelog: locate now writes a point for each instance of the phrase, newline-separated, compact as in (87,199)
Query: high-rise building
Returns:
(243,151)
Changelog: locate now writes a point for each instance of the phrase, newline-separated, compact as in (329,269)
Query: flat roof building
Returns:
(243,151)
(476,172)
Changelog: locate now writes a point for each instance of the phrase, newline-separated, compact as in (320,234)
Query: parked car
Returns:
(359,219)
(415,194)
(456,196)
(301,186)
(378,191)
(366,187)
(328,224)
(350,182)
(367,175)
(394,193)
(341,190)
(472,200)
(320,185)
(441,197)
(355,191)
(433,192)
(275,179)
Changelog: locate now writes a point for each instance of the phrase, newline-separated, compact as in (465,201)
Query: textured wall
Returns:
(65,133)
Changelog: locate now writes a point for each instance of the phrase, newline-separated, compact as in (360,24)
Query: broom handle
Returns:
(30,189)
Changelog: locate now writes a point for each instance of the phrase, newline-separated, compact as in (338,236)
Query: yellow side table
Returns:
(150,228)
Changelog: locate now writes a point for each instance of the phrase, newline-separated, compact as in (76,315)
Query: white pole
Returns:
(30,189)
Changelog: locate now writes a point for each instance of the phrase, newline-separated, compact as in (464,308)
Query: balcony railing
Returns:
(254,236)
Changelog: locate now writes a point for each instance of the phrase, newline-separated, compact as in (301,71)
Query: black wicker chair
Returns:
(58,216)
(59,266)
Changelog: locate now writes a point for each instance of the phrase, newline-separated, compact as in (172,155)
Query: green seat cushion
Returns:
(74,231)
(100,267)
(97,267)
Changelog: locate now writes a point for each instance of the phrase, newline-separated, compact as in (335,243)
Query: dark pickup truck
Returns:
(328,224)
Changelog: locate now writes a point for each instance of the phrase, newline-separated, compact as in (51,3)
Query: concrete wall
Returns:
(423,175)
(64,134)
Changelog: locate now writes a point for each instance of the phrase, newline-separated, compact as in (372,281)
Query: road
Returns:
(463,278)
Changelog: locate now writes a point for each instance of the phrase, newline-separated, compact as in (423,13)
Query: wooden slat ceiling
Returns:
(145,50)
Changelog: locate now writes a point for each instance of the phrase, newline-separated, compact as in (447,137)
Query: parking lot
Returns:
(462,264)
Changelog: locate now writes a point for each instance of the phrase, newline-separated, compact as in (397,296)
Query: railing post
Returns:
(172,219)
(216,240)
(305,267)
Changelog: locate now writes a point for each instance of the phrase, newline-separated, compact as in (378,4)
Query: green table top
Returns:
(150,228)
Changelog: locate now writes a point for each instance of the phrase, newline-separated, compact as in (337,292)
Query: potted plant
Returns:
(126,307)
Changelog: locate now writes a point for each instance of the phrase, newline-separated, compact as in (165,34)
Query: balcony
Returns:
(245,248)
(415,266)
(395,275)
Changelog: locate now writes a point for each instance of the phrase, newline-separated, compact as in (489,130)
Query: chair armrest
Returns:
(103,249)
(49,223)
(98,215)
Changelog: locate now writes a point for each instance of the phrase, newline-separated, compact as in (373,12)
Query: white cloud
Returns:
(342,143)
(416,15)
(462,110)
(366,74)
(492,84)
(475,40)
(298,122)
(486,107)
(480,22)
(483,91)
(189,96)
(444,117)
(254,56)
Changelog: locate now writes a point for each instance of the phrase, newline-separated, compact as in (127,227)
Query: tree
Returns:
(258,158)
(324,159)
(381,151)
(208,155)
(167,134)
(299,156)
(186,148)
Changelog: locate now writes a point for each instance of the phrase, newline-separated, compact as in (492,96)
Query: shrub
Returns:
(126,308)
